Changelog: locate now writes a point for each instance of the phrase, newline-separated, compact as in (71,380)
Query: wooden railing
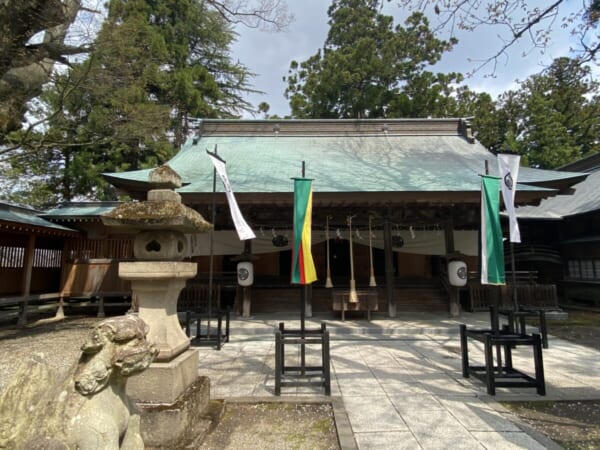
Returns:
(194,297)
(84,249)
(481,297)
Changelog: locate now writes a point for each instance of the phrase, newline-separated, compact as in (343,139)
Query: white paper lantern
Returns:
(457,273)
(245,273)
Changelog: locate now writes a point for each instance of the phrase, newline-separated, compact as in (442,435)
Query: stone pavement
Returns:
(400,380)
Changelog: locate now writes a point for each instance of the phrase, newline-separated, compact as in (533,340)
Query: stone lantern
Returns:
(157,277)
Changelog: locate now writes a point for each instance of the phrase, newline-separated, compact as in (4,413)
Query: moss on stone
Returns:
(151,215)
(164,177)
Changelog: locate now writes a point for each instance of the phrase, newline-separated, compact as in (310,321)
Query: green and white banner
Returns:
(508,167)
(492,248)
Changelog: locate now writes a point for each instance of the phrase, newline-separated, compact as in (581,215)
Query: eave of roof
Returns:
(585,199)
(18,218)
(590,163)
(79,211)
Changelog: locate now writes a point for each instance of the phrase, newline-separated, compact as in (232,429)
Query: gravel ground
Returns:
(260,426)
(58,341)
(277,426)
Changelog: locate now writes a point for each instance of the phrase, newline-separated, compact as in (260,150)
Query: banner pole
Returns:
(303,297)
(514,276)
(328,283)
(211,267)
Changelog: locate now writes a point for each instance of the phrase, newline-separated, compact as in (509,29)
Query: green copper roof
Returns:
(420,159)
(80,209)
(586,198)
(26,216)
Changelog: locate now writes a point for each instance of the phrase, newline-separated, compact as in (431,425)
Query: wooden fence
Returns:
(481,297)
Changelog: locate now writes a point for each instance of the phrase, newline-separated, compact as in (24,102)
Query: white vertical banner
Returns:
(243,229)
(508,168)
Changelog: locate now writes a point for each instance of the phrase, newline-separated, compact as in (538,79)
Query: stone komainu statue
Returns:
(87,410)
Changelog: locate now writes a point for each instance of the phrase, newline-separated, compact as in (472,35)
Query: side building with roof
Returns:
(58,258)
(567,233)
(31,257)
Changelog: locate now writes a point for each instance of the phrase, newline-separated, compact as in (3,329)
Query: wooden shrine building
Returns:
(411,188)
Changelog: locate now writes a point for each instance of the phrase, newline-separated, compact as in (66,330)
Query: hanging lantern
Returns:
(279,240)
(397,241)
(457,273)
(245,273)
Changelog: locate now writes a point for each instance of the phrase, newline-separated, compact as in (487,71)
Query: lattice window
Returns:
(86,249)
(47,258)
(574,271)
(587,269)
(11,257)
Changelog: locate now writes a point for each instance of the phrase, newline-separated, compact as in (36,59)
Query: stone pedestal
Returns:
(164,382)
(183,424)
(169,393)
(157,285)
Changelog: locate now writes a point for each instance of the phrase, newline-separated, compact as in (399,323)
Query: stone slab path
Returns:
(400,380)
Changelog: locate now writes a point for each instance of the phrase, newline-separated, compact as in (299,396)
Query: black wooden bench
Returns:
(57,301)
(502,374)
(302,375)
(517,323)
(206,309)
(214,334)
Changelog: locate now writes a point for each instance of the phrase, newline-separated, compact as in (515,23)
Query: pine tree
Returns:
(155,65)
(554,117)
(369,68)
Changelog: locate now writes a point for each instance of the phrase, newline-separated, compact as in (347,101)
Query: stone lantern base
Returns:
(169,391)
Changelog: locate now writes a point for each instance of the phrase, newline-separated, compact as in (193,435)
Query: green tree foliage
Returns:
(155,65)
(370,68)
(553,118)
(27,63)
(480,108)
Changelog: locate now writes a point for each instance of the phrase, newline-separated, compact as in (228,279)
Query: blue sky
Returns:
(269,54)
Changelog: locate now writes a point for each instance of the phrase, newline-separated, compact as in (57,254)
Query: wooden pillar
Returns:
(247,290)
(389,269)
(449,236)
(246,301)
(454,300)
(26,281)
(308,298)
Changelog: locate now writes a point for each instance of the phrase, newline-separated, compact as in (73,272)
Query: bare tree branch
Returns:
(518,21)
(268,14)
(25,67)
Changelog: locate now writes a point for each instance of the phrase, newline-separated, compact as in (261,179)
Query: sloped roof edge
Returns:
(80,210)
(334,127)
(27,216)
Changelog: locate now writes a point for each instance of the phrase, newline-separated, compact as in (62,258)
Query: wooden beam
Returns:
(26,282)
